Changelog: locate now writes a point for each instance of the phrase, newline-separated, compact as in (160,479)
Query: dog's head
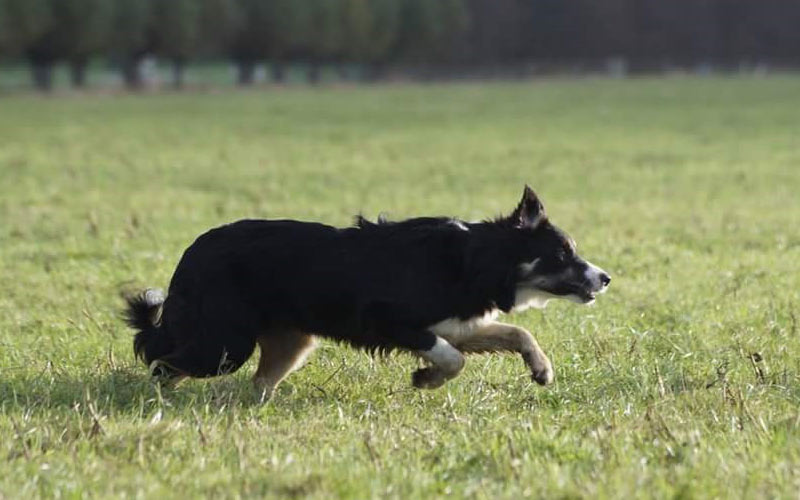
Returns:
(548,262)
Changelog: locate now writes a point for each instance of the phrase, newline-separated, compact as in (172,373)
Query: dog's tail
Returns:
(143,314)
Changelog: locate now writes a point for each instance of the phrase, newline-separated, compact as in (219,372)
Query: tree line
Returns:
(377,33)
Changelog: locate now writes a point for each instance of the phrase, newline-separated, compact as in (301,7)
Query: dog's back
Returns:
(369,285)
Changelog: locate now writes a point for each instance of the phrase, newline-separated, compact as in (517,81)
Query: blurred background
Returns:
(664,135)
(155,43)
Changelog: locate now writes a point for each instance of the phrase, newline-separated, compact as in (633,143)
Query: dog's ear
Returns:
(530,211)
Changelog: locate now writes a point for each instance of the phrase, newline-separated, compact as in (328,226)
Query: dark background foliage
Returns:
(424,38)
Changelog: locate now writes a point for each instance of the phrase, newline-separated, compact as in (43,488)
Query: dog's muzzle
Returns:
(596,281)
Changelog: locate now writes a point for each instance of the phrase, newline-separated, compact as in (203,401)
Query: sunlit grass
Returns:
(682,381)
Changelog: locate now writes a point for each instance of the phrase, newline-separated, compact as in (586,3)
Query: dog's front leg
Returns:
(495,337)
(446,362)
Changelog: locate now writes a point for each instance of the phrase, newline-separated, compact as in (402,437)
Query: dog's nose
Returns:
(605,279)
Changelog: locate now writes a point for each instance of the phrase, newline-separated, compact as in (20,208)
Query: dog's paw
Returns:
(263,390)
(427,378)
(164,375)
(541,368)
(543,376)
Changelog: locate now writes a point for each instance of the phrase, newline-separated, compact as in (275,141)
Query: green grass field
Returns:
(683,381)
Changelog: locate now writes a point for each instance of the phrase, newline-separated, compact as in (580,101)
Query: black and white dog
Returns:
(431,286)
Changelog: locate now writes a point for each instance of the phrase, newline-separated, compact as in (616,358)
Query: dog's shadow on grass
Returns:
(121,391)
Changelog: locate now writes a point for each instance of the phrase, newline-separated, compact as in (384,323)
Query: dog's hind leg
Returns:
(504,337)
(281,353)
(205,357)
(446,362)
(164,374)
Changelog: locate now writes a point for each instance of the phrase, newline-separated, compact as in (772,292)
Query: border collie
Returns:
(432,286)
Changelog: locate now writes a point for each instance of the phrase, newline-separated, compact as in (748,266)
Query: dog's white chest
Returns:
(451,329)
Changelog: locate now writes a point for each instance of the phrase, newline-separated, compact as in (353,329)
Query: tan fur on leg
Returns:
(495,337)
(280,355)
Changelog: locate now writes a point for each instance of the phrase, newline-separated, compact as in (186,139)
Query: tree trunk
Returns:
(178,67)
(42,75)
(247,73)
(341,72)
(77,72)
(374,71)
(278,72)
(132,73)
(314,73)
